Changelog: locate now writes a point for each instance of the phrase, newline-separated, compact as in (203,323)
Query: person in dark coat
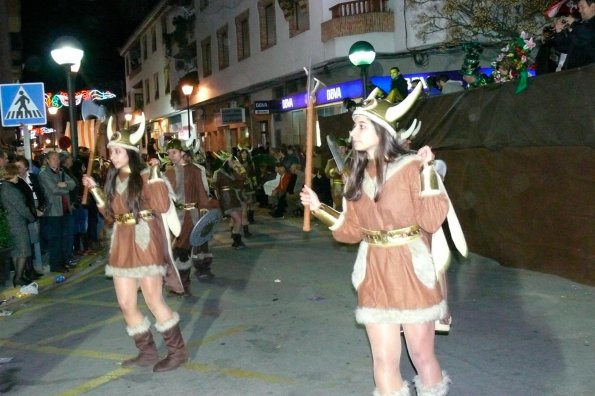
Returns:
(18,216)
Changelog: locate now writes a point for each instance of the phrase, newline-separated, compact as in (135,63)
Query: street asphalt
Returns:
(278,320)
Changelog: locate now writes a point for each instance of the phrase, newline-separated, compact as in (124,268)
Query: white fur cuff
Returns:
(136,272)
(140,328)
(365,315)
(440,389)
(168,324)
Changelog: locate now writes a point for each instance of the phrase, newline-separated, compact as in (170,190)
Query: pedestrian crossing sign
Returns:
(22,104)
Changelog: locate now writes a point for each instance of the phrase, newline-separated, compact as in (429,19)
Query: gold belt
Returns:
(186,206)
(128,218)
(396,237)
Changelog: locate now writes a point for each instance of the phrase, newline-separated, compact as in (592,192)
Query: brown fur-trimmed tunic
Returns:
(139,250)
(395,284)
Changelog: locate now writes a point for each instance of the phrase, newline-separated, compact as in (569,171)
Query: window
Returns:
(147,92)
(144,47)
(207,67)
(223,47)
(153,39)
(156,85)
(166,79)
(268,33)
(138,101)
(300,19)
(243,35)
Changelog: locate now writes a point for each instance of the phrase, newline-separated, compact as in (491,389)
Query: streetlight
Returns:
(362,54)
(128,118)
(68,53)
(53,110)
(187,90)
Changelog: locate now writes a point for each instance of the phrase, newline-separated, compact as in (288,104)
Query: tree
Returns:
(486,21)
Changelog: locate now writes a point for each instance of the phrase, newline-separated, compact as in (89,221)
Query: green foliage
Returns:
(479,20)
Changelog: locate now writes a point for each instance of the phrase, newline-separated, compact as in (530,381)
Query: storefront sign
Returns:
(232,115)
(329,94)
(262,107)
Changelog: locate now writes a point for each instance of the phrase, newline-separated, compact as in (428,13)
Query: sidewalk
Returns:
(10,296)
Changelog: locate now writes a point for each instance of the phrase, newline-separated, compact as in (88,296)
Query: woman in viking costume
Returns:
(136,199)
(393,203)
(228,181)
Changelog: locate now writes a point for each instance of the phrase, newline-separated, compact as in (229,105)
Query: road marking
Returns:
(94,292)
(80,330)
(97,382)
(78,352)
(215,337)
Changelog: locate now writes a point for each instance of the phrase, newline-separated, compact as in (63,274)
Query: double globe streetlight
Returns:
(68,53)
(362,54)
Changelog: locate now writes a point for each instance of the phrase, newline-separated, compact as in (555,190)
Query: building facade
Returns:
(246,60)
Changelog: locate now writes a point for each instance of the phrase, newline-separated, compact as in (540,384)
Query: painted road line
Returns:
(97,382)
(81,330)
(218,336)
(77,352)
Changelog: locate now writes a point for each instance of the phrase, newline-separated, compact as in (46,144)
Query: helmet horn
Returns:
(136,137)
(398,111)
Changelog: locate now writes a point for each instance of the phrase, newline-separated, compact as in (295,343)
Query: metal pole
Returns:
(188,111)
(365,79)
(71,107)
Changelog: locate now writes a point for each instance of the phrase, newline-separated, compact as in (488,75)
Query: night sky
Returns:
(102,27)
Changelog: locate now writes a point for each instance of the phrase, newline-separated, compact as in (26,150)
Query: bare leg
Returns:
(236,217)
(420,345)
(385,342)
(152,287)
(126,293)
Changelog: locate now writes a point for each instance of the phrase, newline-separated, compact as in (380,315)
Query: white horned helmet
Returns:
(385,113)
(125,138)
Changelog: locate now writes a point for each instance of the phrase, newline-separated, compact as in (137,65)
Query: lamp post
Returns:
(362,54)
(68,53)
(53,110)
(187,90)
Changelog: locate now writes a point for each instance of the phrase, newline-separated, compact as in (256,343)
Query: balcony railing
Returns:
(358,7)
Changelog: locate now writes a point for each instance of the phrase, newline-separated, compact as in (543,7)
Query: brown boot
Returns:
(185,278)
(147,355)
(176,350)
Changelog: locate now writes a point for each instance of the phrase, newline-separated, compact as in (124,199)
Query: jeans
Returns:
(57,239)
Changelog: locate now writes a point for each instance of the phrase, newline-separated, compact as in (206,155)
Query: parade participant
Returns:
(248,191)
(392,210)
(228,181)
(335,175)
(135,199)
(470,69)
(192,200)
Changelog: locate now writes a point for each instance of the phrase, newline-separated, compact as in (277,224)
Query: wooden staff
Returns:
(310,128)
(91,158)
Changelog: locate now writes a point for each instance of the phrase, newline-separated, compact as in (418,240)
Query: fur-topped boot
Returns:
(247,233)
(147,351)
(237,241)
(404,391)
(440,389)
(176,349)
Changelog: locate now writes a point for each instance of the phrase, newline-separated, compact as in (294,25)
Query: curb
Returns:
(12,297)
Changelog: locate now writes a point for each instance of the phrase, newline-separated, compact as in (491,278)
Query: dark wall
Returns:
(521,169)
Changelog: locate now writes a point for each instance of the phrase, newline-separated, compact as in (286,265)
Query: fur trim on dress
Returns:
(183,265)
(423,265)
(140,328)
(359,267)
(136,272)
(168,324)
(404,391)
(365,315)
(440,389)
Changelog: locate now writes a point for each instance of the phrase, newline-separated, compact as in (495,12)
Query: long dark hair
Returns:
(388,150)
(135,184)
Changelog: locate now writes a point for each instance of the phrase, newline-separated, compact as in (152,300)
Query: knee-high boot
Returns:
(440,389)
(247,233)
(185,278)
(147,350)
(404,391)
(176,349)
(250,216)
(237,241)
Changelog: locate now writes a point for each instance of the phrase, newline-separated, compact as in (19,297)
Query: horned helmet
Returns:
(386,113)
(125,138)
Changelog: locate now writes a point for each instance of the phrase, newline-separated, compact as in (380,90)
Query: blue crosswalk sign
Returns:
(22,104)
